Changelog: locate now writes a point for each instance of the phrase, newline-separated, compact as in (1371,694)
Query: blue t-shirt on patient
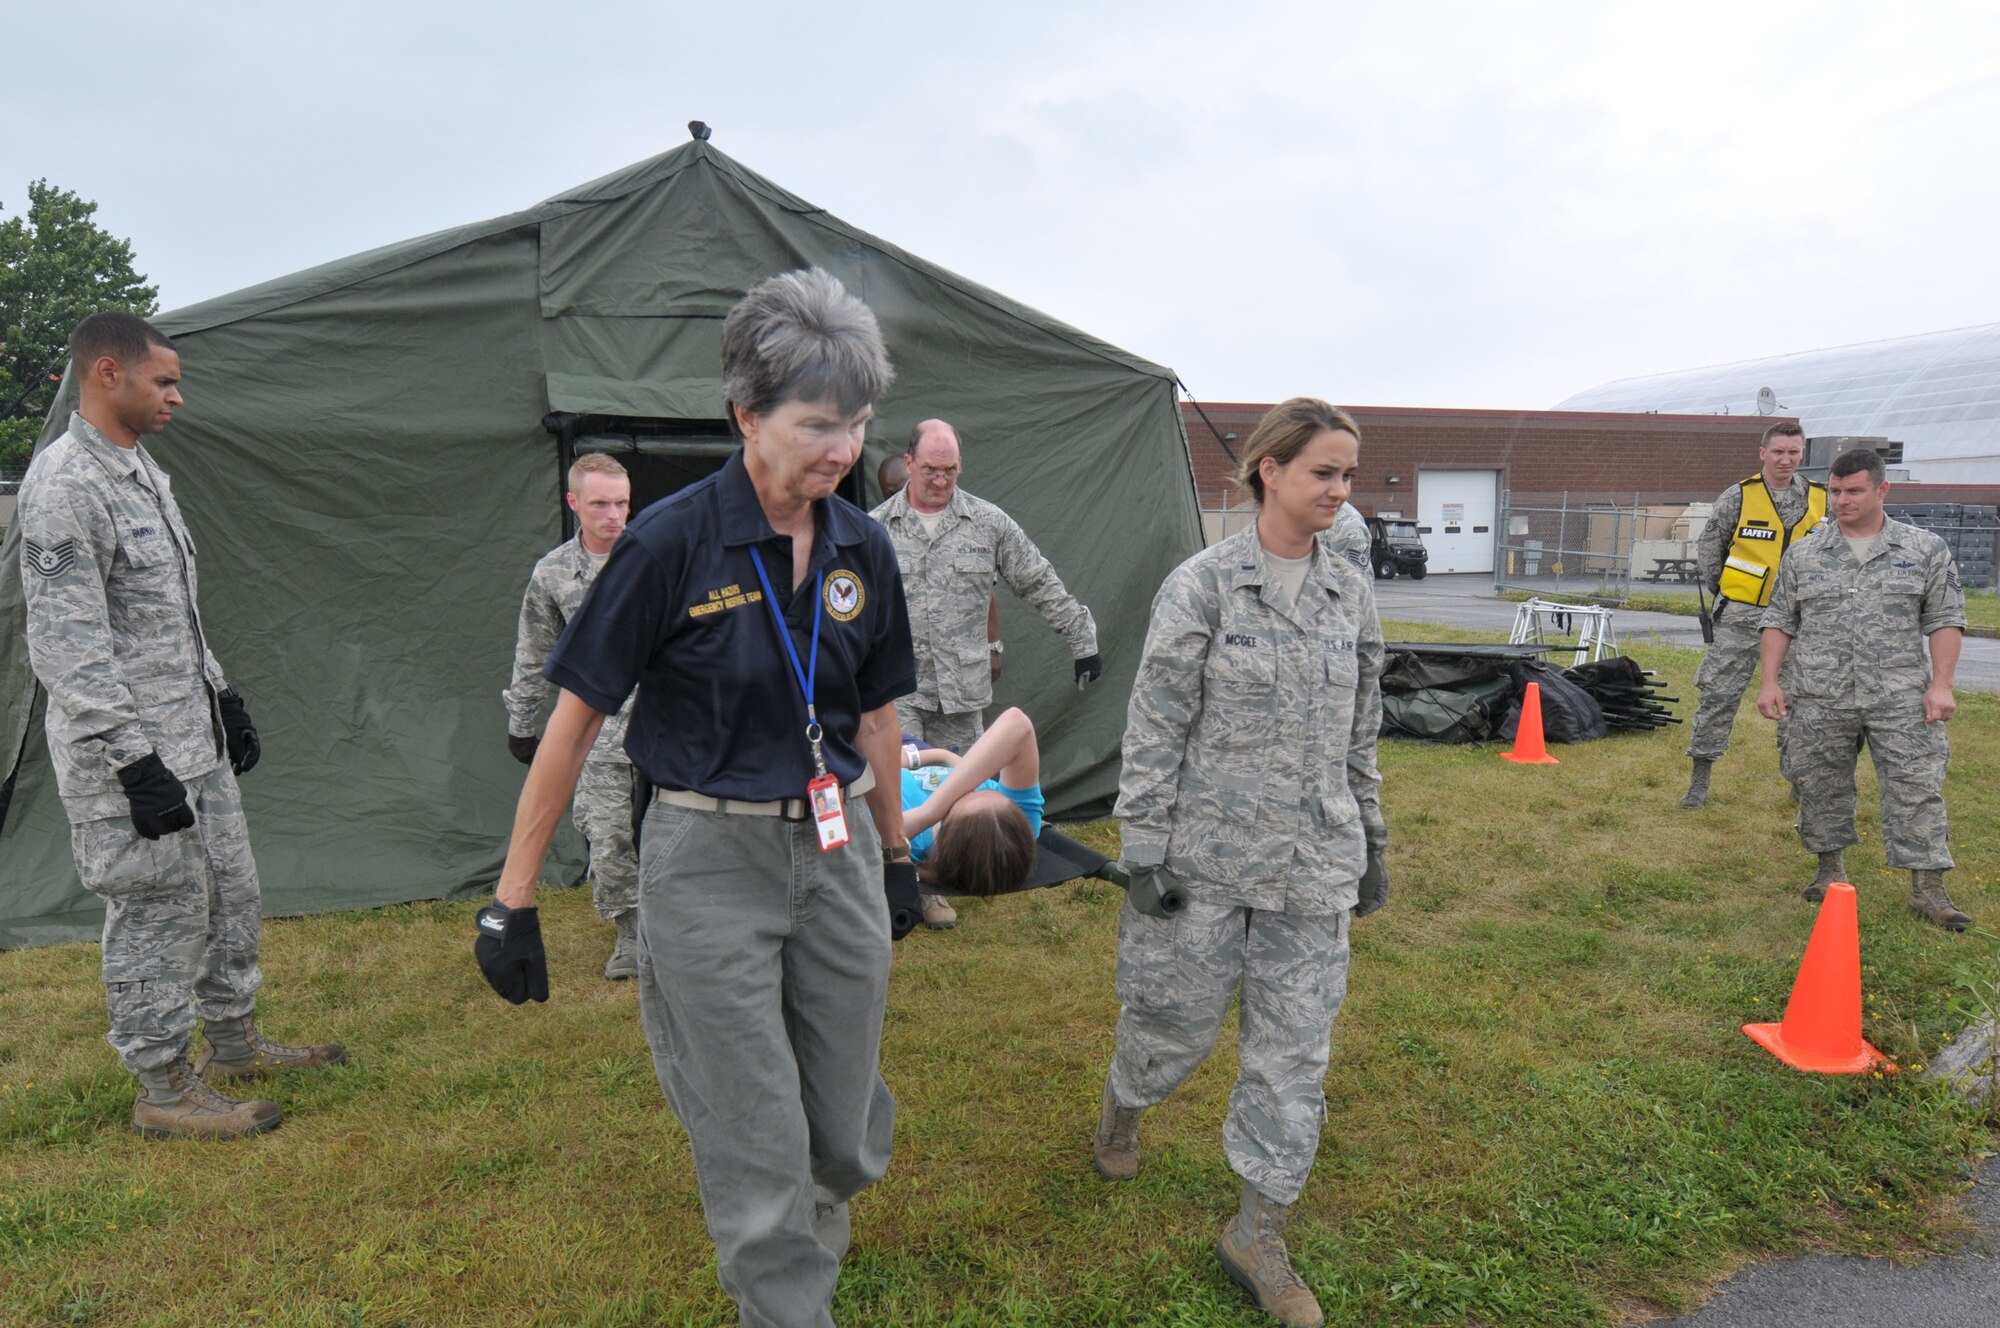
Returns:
(918,785)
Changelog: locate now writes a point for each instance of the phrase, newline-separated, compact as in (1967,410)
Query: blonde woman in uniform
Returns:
(1250,794)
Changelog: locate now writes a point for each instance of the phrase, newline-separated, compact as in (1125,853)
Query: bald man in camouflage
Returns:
(952,548)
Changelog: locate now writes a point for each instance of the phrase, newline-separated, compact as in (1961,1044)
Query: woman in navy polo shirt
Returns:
(761,619)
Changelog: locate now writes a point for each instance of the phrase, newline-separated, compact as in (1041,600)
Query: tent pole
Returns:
(565,458)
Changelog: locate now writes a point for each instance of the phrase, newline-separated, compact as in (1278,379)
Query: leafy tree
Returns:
(57,267)
(17,444)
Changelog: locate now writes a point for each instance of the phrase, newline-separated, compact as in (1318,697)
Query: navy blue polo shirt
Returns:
(678,613)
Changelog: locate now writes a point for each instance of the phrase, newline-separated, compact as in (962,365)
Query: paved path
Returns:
(1841,1291)
(1818,1290)
(1469,601)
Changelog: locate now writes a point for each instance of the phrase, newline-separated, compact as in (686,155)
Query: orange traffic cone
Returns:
(1528,746)
(1822,1028)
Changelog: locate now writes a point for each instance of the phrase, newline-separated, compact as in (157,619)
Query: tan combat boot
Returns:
(1253,1254)
(1697,794)
(1929,901)
(938,915)
(1116,1147)
(234,1049)
(178,1104)
(1832,867)
(624,960)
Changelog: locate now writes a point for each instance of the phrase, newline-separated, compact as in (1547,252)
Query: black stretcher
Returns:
(1058,859)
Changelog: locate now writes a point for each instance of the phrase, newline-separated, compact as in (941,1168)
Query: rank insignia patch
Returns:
(51,561)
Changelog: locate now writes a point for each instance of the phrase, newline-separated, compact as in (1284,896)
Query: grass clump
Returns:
(1540,1108)
(1684,602)
(1982,609)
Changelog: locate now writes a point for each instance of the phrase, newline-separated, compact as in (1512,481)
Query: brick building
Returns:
(1594,457)
(1447,469)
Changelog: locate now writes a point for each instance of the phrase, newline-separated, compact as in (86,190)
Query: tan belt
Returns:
(792,809)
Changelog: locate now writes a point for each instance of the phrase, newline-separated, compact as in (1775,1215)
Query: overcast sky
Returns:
(1449,204)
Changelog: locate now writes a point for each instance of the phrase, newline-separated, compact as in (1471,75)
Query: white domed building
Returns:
(1937,395)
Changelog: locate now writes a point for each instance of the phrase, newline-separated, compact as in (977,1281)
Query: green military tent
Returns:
(371,459)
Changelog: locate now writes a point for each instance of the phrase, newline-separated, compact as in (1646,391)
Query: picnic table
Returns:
(1684,570)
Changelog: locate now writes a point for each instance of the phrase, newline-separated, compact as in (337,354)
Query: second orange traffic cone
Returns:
(1822,1028)
(1528,746)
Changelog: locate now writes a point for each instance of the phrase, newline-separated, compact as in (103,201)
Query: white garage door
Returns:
(1455,513)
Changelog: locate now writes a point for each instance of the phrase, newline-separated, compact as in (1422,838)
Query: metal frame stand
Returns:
(1540,622)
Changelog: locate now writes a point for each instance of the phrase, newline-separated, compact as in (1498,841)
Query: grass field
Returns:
(1540,1111)
(1982,609)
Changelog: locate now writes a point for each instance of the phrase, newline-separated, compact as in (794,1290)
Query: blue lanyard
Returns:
(808,678)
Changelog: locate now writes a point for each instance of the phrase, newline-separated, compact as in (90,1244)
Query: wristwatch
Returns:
(995,647)
(896,852)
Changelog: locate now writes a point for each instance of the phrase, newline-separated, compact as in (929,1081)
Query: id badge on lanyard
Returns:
(822,791)
(829,816)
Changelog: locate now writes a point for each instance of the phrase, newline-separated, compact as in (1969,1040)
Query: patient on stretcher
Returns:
(973,819)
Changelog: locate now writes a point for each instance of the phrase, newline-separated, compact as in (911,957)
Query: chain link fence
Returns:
(1549,544)
(1219,523)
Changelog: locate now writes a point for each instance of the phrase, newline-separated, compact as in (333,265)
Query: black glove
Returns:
(906,909)
(1149,887)
(523,749)
(159,801)
(1088,670)
(642,799)
(510,954)
(1375,876)
(239,735)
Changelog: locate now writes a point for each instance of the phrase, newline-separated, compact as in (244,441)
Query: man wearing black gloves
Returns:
(147,740)
(761,619)
(600,493)
(953,549)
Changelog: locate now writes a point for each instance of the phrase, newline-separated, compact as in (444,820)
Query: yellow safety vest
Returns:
(1749,572)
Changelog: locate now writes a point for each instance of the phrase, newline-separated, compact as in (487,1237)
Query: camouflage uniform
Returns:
(1731,659)
(1857,670)
(602,808)
(948,580)
(1249,772)
(107,573)
(1348,536)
